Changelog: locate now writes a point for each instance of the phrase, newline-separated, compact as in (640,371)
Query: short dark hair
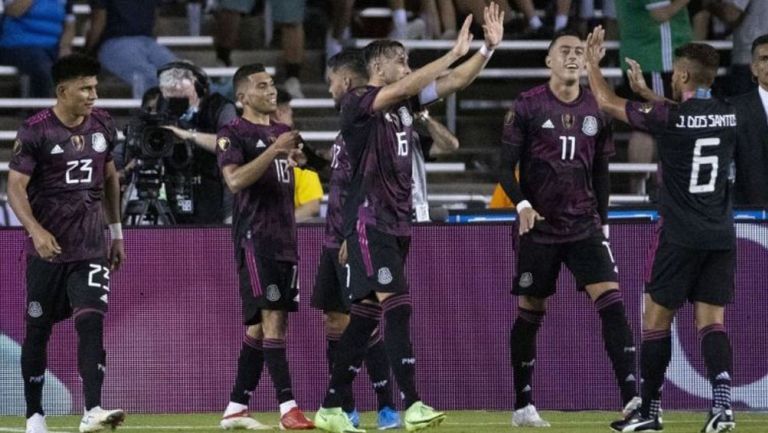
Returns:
(381,47)
(74,66)
(760,40)
(705,57)
(245,71)
(351,59)
(562,34)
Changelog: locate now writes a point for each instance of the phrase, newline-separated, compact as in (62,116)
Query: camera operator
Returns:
(207,112)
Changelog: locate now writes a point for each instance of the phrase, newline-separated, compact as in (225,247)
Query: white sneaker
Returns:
(293,87)
(630,407)
(97,419)
(36,424)
(241,420)
(528,417)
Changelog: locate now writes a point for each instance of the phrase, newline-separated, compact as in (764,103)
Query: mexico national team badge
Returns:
(16,146)
(589,127)
(273,293)
(526,280)
(385,276)
(568,120)
(405,117)
(223,143)
(34,310)
(77,142)
(98,142)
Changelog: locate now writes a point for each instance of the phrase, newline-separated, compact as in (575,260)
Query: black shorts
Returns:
(55,290)
(265,284)
(679,273)
(376,262)
(331,291)
(538,265)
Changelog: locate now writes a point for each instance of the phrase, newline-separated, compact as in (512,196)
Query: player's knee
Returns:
(532,303)
(89,323)
(255,331)
(37,334)
(274,323)
(335,323)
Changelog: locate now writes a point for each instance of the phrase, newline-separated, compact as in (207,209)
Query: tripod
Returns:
(148,207)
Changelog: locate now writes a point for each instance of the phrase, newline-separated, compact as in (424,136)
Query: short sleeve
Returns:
(648,116)
(229,150)
(24,154)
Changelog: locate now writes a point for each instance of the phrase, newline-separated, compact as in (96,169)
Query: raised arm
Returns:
(665,11)
(443,139)
(463,75)
(606,98)
(98,21)
(637,82)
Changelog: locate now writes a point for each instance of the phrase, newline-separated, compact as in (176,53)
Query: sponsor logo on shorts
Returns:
(273,293)
(384,276)
(34,310)
(526,280)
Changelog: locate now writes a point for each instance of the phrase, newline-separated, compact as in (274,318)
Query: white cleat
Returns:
(97,419)
(36,424)
(241,421)
(528,417)
(631,406)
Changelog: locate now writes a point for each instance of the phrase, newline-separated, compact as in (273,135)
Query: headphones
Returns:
(202,82)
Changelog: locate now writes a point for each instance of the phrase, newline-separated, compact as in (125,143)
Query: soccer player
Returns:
(60,168)
(256,157)
(696,250)
(377,128)
(346,71)
(563,143)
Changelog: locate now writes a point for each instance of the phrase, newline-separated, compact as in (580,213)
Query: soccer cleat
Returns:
(334,420)
(97,419)
(36,424)
(528,416)
(354,417)
(241,421)
(719,420)
(637,422)
(420,416)
(294,419)
(388,418)
(632,406)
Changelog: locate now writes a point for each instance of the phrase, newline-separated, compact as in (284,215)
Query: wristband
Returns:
(486,52)
(525,204)
(116,231)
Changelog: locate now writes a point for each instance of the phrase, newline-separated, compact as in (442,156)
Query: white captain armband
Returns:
(428,94)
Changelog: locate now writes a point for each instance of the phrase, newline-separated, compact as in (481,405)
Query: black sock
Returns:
(655,355)
(249,367)
(34,356)
(716,351)
(397,341)
(224,54)
(277,364)
(522,343)
(91,357)
(377,364)
(292,70)
(617,337)
(363,319)
(332,343)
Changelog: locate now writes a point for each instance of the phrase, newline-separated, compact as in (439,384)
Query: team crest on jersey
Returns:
(98,142)
(526,280)
(16,146)
(589,127)
(34,310)
(273,293)
(384,276)
(405,116)
(567,120)
(78,142)
(645,108)
(223,143)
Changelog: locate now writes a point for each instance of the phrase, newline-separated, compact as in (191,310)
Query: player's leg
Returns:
(538,266)
(377,365)
(713,291)
(88,291)
(592,264)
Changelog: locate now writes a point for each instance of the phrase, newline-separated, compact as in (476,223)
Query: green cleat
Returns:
(334,420)
(420,416)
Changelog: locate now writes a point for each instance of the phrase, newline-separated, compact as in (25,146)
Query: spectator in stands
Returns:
(440,17)
(650,31)
(33,34)
(122,33)
(287,14)
(208,112)
(751,155)
(748,19)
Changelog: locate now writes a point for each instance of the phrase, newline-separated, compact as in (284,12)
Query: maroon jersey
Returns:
(341,173)
(66,179)
(263,211)
(558,143)
(379,148)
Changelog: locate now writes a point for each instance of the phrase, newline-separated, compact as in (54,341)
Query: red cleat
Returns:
(295,420)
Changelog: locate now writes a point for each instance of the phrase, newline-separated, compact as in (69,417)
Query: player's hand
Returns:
(45,244)
(178,132)
(343,254)
(595,46)
(116,254)
(286,142)
(528,218)
(296,158)
(461,47)
(635,74)
(493,27)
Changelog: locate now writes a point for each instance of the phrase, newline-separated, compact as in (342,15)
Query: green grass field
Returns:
(457,422)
